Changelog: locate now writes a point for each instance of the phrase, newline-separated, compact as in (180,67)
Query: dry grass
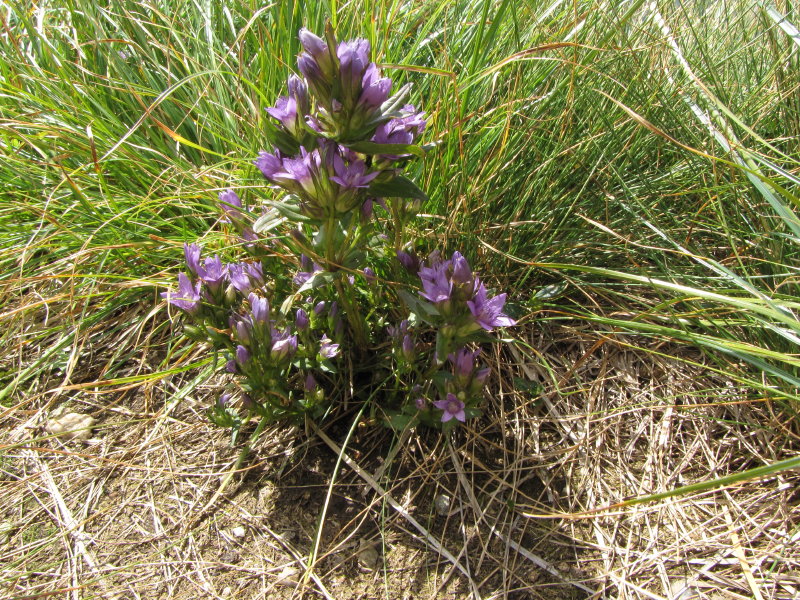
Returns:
(508,510)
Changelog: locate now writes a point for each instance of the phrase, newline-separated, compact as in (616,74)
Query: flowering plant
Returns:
(329,297)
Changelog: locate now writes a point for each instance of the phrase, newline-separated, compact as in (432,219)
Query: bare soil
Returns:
(519,504)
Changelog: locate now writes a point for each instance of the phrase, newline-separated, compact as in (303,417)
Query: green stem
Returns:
(353,315)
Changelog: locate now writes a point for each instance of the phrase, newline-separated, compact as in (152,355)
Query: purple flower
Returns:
(311,70)
(403,130)
(240,277)
(243,328)
(213,272)
(311,269)
(259,307)
(407,347)
(187,297)
(462,274)
(230,202)
(351,176)
(301,320)
(436,283)
(353,60)
(283,346)
(223,400)
(285,112)
(452,407)
(313,44)
(299,171)
(192,254)
(421,403)
(256,271)
(299,92)
(369,275)
(409,260)
(310,384)
(242,354)
(488,313)
(269,164)
(319,307)
(316,63)
(375,89)
(464,361)
(327,349)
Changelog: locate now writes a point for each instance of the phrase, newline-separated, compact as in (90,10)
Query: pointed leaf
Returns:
(399,187)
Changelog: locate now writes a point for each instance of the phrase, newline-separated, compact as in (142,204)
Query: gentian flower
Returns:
(375,89)
(311,269)
(285,112)
(327,349)
(230,202)
(310,384)
(299,92)
(213,272)
(464,361)
(283,345)
(436,284)
(353,60)
(352,176)
(301,320)
(452,407)
(242,355)
(269,164)
(192,254)
(259,307)
(240,277)
(407,347)
(187,297)
(256,272)
(409,260)
(296,174)
(488,312)
(462,274)
(403,130)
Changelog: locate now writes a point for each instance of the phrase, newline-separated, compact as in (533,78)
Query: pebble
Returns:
(442,504)
(368,556)
(65,425)
(239,532)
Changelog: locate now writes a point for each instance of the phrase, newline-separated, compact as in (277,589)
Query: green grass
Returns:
(567,150)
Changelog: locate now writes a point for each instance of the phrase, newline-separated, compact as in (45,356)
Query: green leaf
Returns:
(317,280)
(399,187)
(268,221)
(422,309)
(551,291)
(290,211)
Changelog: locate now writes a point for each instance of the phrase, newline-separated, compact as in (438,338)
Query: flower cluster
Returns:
(307,316)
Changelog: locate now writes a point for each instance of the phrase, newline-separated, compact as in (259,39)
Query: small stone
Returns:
(442,504)
(368,556)
(71,426)
(239,532)
(227,591)
(287,576)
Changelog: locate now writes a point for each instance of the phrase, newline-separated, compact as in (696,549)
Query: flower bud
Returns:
(407,348)
(409,260)
(242,355)
(301,320)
